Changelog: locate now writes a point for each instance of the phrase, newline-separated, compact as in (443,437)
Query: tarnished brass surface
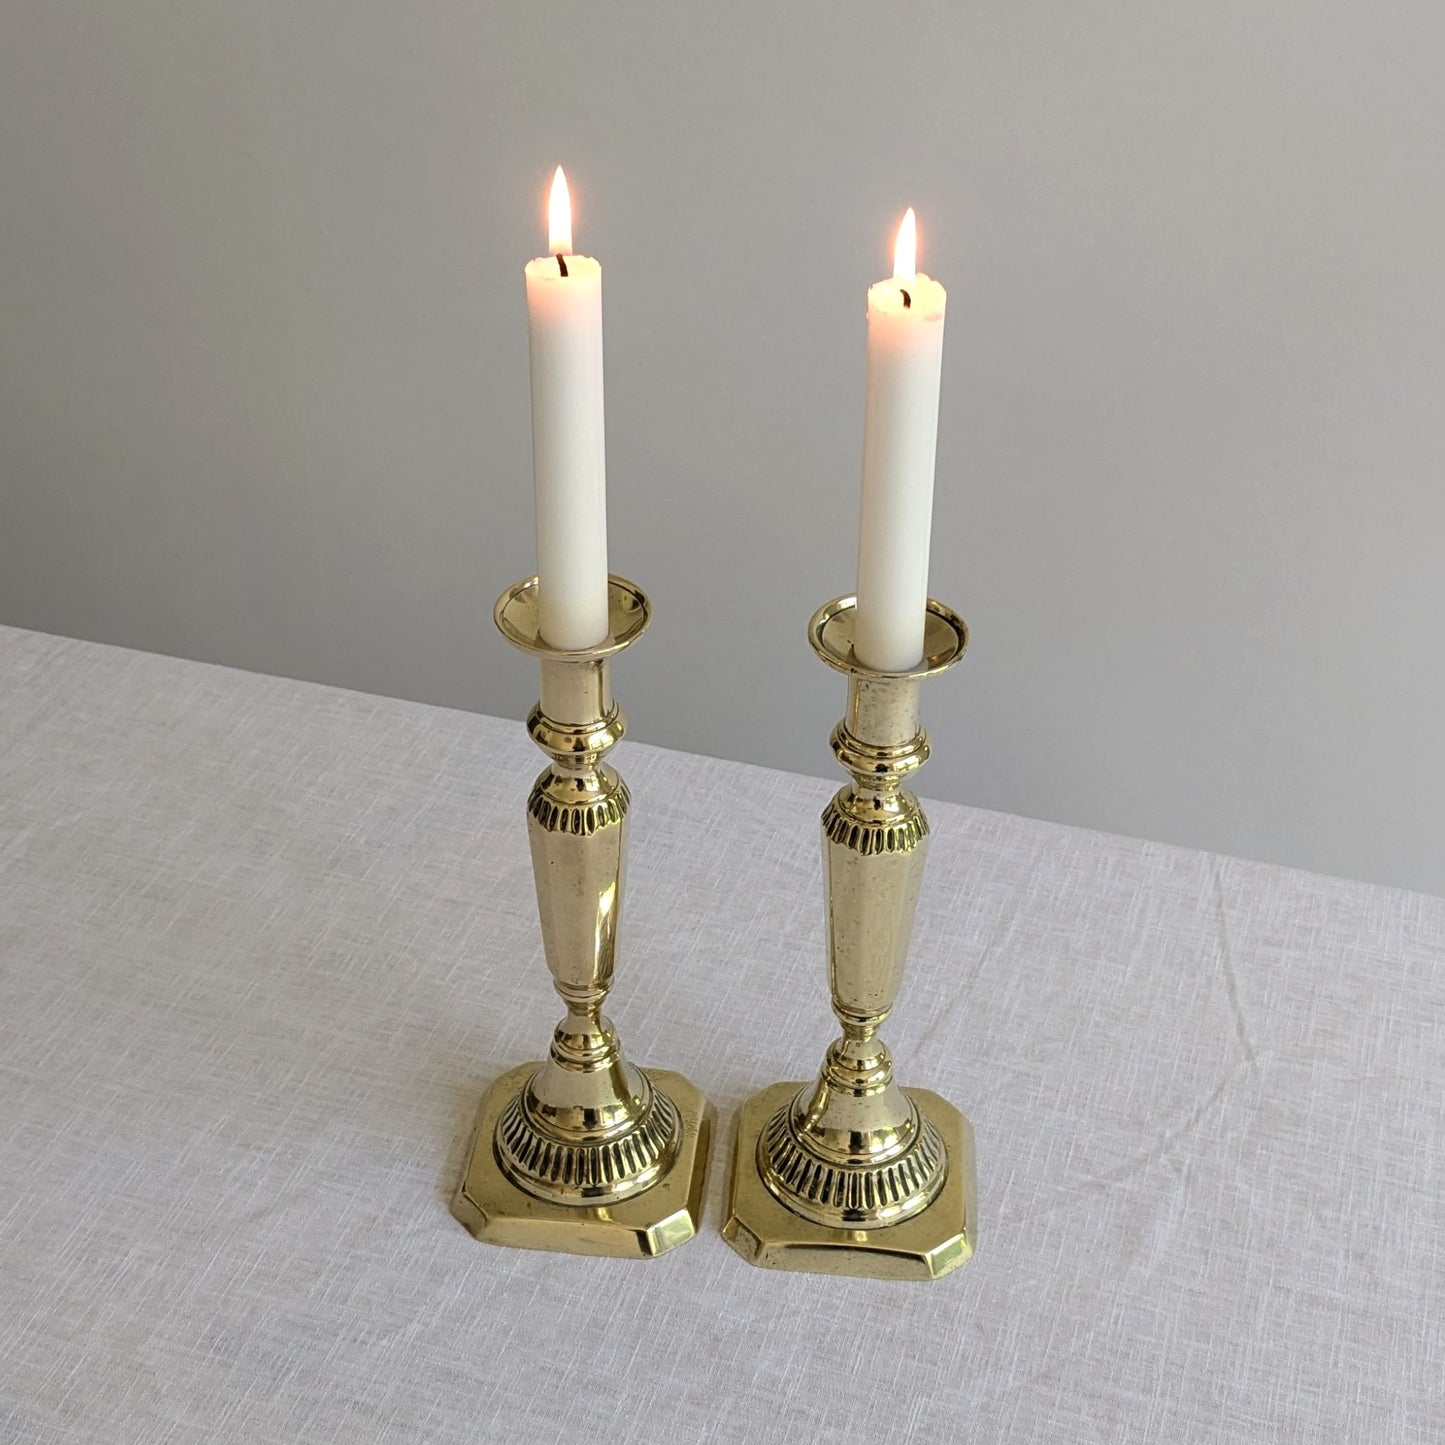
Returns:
(603,1153)
(854,1154)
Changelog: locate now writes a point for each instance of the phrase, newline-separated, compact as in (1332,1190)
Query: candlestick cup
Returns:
(852,1174)
(582,1152)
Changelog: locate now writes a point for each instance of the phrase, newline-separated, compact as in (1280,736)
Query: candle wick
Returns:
(907,299)
(561,263)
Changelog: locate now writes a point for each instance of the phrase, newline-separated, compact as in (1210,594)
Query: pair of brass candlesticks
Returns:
(586,1154)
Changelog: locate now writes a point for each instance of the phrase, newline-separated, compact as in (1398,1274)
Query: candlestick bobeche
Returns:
(852,1174)
(582,1152)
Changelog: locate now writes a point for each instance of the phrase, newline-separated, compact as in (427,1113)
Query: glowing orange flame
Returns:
(559,217)
(905,248)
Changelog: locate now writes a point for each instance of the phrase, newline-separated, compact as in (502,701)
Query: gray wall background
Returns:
(263,370)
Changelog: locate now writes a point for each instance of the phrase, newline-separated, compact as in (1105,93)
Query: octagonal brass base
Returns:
(925,1246)
(665,1216)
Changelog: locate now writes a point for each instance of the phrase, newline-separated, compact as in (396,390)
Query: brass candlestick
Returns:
(583,1152)
(853,1174)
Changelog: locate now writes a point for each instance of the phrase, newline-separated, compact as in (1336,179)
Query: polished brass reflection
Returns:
(853,1174)
(583,1152)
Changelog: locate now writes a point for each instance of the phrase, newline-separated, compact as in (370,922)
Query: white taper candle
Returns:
(569,468)
(900,438)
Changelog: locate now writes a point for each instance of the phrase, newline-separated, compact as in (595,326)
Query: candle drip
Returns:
(561,263)
(907,299)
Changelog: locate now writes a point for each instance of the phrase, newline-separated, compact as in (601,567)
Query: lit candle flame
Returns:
(559,217)
(905,248)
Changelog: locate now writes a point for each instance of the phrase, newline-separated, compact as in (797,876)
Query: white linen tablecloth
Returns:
(263,944)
